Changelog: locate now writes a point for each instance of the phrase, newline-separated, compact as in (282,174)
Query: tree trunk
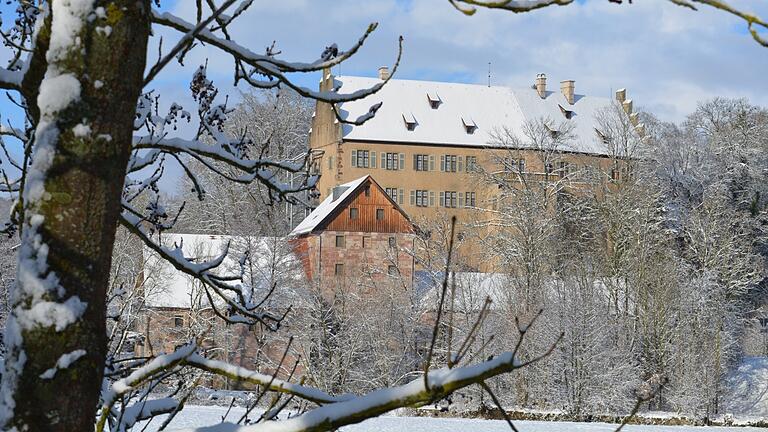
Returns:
(68,229)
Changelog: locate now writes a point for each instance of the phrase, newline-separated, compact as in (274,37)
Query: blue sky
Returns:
(669,58)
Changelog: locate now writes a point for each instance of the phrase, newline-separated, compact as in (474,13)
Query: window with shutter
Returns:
(442,199)
(415,164)
(461,164)
(431,199)
(354,158)
(373,159)
(431,163)
(413,197)
(402,161)
(402,193)
(442,162)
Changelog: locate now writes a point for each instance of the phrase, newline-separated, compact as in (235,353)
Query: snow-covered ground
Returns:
(749,384)
(195,416)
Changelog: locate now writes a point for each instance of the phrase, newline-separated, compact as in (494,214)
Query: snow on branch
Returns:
(10,80)
(469,7)
(239,373)
(264,61)
(242,307)
(440,384)
(275,70)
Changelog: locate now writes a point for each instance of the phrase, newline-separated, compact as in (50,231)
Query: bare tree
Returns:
(93,143)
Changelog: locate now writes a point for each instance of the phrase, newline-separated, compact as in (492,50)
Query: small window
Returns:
(178,321)
(340,241)
(338,270)
(368,190)
(353,212)
(392,242)
(366,242)
(521,165)
(615,174)
(469,125)
(392,270)
(410,121)
(434,100)
(379,214)
(567,113)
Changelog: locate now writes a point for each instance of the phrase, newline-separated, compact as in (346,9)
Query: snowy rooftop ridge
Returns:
(445,122)
(326,207)
(170,288)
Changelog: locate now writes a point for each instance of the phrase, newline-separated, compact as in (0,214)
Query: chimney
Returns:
(627,104)
(383,73)
(541,85)
(338,191)
(568,88)
(621,95)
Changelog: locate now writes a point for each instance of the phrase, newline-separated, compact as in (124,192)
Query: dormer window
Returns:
(603,137)
(554,133)
(469,125)
(410,121)
(567,113)
(434,100)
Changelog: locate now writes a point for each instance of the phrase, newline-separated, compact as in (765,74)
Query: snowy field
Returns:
(196,416)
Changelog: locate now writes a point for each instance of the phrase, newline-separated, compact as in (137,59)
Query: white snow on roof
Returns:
(325,208)
(270,262)
(472,289)
(489,107)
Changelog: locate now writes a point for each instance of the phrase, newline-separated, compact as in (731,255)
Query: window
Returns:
(563,169)
(338,270)
(392,192)
(421,162)
(471,163)
(379,214)
(449,163)
(366,242)
(521,165)
(390,161)
(431,199)
(360,158)
(392,242)
(410,121)
(448,199)
(469,125)
(469,199)
(340,241)
(368,190)
(510,165)
(615,174)
(548,168)
(422,199)
(178,321)
(353,212)
(392,270)
(434,100)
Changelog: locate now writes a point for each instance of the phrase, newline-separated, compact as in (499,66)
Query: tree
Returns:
(92,133)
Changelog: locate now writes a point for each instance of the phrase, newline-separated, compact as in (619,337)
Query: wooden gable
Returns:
(368,199)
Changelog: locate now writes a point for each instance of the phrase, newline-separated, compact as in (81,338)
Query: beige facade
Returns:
(431,180)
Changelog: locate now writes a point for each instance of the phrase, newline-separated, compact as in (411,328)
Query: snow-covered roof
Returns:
(489,108)
(472,289)
(270,262)
(321,212)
